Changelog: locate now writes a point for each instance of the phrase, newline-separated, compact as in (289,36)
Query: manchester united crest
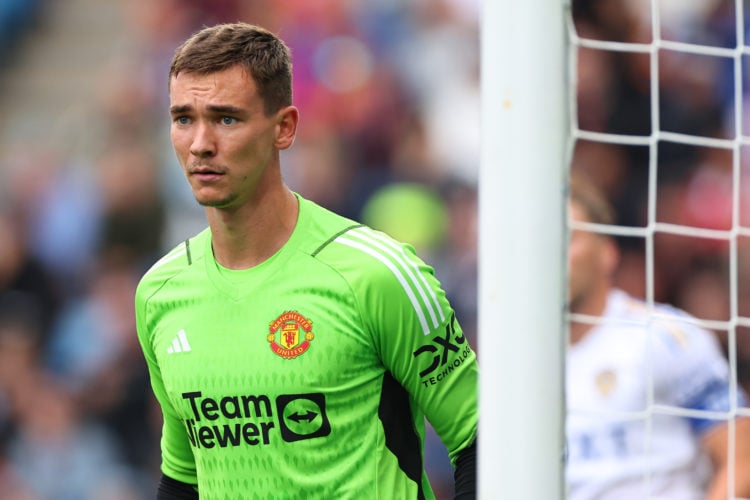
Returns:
(290,334)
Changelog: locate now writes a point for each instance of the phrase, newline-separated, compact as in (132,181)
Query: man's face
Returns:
(223,139)
(590,261)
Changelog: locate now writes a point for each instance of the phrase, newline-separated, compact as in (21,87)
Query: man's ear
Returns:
(286,127)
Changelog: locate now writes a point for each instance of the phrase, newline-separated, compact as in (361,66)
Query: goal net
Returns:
(657,123)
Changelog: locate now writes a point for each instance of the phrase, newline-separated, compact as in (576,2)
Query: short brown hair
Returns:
(586,194)
(265,57)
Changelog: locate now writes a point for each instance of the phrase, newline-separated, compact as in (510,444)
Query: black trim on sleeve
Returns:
(187,251)
(329,240)
(465,475)
(400,437)
(172,489)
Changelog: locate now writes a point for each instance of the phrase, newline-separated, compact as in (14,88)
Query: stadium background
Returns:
(90,193)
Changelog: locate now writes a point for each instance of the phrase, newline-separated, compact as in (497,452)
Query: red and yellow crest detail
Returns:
(290,334)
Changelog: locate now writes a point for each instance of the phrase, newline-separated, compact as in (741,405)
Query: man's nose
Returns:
(204,143)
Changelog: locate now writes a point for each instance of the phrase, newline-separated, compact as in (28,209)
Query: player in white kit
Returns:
(627,372)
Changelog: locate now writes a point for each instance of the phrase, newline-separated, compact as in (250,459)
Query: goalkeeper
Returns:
(624,375)
(294,353)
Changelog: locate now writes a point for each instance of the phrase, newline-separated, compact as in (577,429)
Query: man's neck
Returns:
(592,305)
(247,236)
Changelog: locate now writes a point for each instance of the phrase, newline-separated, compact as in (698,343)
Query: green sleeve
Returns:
(420,341)
(177,457)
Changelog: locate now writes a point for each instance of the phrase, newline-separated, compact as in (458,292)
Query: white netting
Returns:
(658,121)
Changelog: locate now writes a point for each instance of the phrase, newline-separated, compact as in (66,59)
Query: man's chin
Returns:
(215,202)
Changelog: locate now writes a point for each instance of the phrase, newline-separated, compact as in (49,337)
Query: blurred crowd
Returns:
(389,134)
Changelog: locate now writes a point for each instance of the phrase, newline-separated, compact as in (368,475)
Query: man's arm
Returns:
(421,344)
(177,456)
(716,444)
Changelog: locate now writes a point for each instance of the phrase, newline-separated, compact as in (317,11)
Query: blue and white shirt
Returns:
(629,382)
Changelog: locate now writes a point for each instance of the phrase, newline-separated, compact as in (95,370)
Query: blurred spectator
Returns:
(94,352)
(20,345)
(133,212)
(627,360)
(91,332)
(60,456)
(63,223)
(692,180)
(25,285)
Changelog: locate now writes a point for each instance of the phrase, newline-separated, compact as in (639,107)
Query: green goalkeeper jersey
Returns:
(309,375)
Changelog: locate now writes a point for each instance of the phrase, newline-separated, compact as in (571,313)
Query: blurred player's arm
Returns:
(716,444)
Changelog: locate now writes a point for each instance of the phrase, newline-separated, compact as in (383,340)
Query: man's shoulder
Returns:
(321,224)
(671,327)
(178,258)
(372,260)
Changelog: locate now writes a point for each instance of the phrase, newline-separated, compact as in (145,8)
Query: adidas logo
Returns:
(179,344)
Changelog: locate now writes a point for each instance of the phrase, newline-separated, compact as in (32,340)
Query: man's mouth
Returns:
(205,172)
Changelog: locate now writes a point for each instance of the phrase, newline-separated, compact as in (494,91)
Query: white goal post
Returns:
(524,156)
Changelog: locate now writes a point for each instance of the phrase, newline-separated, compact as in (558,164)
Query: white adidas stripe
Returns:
(410,264)
(183,341)
(175,347)
(399,276)
(378,247)
(179,343)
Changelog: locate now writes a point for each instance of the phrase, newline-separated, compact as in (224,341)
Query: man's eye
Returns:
(182,120)
(228,120)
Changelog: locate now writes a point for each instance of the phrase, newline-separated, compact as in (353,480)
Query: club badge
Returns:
(606,382)
(290,334)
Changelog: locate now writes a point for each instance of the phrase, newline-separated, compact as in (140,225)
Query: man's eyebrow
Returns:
(176,110)
(224,109)
(213,108)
